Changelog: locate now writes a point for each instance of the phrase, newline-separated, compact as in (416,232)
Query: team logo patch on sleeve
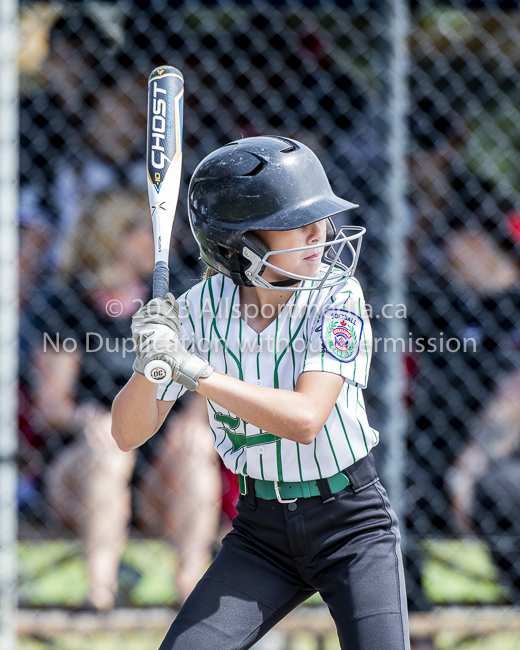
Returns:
(341,333)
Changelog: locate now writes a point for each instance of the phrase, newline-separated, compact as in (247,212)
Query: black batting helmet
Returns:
(259,183)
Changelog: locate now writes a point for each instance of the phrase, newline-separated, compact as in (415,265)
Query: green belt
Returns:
(297,490)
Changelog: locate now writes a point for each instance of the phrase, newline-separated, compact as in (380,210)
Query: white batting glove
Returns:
(156,312)
(153,324)
(156,320)
(163,344)
(155,329)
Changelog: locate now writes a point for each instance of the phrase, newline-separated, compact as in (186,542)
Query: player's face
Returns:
(306,262)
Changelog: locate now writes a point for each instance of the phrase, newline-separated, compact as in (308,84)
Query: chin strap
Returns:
(285,283)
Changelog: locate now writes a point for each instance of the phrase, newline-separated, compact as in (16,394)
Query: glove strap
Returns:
(192,370)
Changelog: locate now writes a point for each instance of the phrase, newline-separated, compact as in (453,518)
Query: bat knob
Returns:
(157,371)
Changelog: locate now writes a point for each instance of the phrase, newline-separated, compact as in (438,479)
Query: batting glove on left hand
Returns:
(156,312)
(152,327)
(155,322)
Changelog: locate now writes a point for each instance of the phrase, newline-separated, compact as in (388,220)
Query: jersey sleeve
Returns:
(340,336)
(169,391)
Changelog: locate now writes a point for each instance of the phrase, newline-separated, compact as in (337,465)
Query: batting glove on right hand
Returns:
(155,329)
(187,368)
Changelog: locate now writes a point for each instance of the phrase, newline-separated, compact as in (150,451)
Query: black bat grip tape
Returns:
(161,280)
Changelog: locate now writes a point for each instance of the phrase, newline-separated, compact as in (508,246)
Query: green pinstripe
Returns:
(225,437)
(289,345)
(258,358)
(331,447)
(366,354)
(202,307)
(169,384)
(363,432)
(279,464)
(316,460)
(345,432)
(186,304)
(237,459)
(222,342)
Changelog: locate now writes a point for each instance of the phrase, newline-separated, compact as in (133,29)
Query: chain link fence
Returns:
(102,529)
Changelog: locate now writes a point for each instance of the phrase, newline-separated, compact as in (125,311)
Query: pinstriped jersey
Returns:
(325,331)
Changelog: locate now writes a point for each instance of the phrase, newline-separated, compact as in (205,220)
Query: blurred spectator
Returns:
(455,208)
(463,247)
(82,319)
(464,278)
(34,238)
(180,493)
(111,154)
(83,354)
(83,134)
(51,120)
(484,481)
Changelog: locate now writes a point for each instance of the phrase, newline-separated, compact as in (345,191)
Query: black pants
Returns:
(278,555)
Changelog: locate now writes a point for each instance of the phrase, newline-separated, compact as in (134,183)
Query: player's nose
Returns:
(315,232)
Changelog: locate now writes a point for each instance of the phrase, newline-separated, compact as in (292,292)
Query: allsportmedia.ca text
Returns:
(114,309)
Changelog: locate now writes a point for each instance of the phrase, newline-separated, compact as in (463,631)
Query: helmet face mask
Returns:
(265,183)
(336,270)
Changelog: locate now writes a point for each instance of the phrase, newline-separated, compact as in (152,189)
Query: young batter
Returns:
(279,342)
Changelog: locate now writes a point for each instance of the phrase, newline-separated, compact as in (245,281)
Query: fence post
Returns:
(395,328)
(8,317)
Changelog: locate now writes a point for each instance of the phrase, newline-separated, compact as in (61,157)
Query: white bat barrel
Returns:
(164,164)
